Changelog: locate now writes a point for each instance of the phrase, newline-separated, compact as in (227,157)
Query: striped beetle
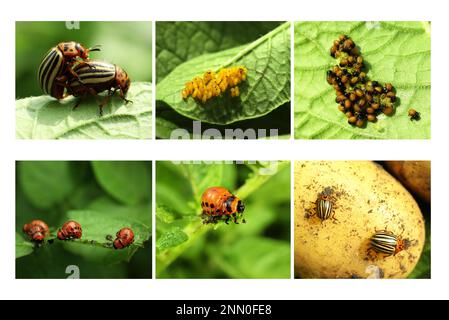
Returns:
(97,76)
(52,72)
(387,242)
(325,205)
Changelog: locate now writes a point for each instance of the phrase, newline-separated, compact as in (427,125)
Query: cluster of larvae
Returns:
(358,97)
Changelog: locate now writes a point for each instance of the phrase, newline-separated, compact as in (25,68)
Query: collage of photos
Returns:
(223,80)
(286,219)
(223,220)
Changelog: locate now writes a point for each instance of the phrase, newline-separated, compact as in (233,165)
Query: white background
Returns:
(435,149)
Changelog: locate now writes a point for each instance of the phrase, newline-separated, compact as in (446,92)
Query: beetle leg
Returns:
(78,103)
(62,80)
(333,216)
(83,62)
(227,220)
(122,95)
(105,101)
(75,75)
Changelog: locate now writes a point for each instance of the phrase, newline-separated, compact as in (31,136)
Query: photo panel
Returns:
(223,80)
(83,219)
(362,80)
(223,220)
(362,219)
(83,80)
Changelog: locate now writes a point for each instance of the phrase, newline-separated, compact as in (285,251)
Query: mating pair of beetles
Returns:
(67,70)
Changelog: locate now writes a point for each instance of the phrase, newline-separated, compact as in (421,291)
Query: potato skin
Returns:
(366,198)
(415,175)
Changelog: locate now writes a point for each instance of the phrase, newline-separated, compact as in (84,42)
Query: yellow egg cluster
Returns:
(213,84)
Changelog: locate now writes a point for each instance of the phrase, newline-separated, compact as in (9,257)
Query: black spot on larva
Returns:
(66,47)
(217,211)
(207,204)
(212,205)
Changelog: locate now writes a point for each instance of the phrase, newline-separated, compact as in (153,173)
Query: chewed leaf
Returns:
(46,118)
(395,52)
(267,85)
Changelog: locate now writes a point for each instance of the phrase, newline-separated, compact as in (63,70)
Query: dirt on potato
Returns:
(415,175)
(365,198)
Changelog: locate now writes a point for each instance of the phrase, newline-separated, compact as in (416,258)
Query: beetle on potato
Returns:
(368,198)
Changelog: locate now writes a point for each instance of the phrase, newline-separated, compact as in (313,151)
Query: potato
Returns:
(415,175)
(366,198)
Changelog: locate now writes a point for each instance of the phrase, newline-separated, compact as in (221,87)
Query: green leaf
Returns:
(46,118)
(267,87)
(172,195)
(164,214)
(46,183)
(174,40)
(127,181)
(395,52)
(108,206)
(202,176)
(172,238)
(253,257)
(96,227)
(23,246)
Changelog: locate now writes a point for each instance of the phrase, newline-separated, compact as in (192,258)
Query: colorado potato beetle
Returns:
(387,242)
(219,203)
(57,65)
(36,230)
(70,230)
(97,76)
(125,237)
(325,205)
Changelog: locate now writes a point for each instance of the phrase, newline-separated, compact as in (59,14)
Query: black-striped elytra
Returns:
(56,66)
(324,205)
(98,76)
(387,243)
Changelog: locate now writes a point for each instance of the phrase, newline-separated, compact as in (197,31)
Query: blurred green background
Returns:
(127,44)
(188,249)
(103,194)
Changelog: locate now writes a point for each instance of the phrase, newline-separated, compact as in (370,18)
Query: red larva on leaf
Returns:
(37,230)
(125,237)
(70,230)
(219,203)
